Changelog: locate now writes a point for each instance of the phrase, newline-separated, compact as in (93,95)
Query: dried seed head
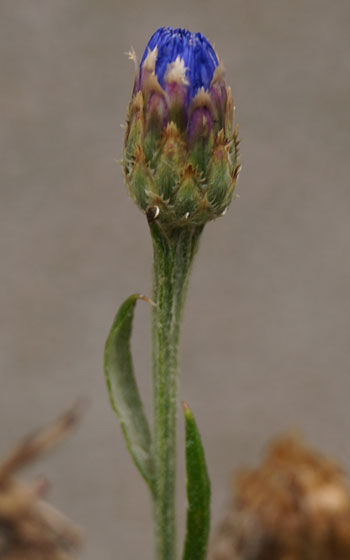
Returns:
(295,505)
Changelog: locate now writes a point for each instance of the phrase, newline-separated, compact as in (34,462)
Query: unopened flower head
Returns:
(181,150)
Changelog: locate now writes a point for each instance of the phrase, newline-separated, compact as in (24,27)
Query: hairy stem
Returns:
(173,256)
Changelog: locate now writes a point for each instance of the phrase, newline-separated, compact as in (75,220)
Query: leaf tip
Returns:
(186,408)
(147,300)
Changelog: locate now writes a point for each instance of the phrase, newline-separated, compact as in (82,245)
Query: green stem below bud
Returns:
(173,257)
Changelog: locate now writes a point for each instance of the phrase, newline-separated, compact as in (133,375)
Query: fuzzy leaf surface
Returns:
(123,391)
(198,493)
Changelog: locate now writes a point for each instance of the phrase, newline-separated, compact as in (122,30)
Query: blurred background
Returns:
(265,344)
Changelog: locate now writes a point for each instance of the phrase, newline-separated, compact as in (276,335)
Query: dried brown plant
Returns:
(30,529)
(295,506)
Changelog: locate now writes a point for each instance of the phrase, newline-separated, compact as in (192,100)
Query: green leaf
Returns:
(198,493)
(123,391)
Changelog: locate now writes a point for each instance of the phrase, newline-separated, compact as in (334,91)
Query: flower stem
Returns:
(173,257)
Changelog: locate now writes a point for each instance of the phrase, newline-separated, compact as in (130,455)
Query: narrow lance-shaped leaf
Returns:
(198,493)
(123,391)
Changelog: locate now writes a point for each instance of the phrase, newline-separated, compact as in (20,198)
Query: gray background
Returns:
(266,335)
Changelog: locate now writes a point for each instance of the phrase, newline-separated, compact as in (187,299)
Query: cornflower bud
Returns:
(181,150)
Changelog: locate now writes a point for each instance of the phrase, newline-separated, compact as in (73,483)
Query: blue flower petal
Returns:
(197,53)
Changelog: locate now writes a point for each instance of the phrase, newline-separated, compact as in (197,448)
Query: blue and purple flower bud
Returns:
(181,150)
